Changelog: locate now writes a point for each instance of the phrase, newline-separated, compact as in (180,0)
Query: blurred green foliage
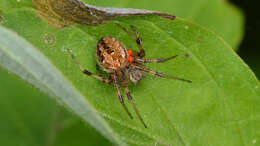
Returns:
(30,118)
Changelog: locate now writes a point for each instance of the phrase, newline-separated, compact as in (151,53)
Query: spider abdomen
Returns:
(111,54)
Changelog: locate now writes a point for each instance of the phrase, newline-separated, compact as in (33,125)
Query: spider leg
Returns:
(130,98)
(154,60)
(120,96)
(136,37)
(104,80)
(144,69)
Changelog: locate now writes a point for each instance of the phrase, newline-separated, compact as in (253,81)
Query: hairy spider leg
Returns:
(144,69)
(130,98)
(137,39)
(104,80)
(154,60)
(114,78)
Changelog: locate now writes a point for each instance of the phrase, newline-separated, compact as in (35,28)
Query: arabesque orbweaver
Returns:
(124,65)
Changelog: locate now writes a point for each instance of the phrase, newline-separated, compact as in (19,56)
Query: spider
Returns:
(124,66)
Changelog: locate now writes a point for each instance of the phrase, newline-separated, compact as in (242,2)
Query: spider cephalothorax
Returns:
(124,65)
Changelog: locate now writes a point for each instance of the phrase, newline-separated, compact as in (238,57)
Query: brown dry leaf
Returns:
(62,13)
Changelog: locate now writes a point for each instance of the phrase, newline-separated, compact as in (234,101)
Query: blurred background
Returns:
(249,49)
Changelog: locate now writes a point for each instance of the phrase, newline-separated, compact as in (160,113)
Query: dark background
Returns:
(249,49)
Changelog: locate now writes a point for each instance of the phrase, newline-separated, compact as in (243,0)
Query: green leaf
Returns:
(24,60)
(220,107)
(217,15)
(31,118)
